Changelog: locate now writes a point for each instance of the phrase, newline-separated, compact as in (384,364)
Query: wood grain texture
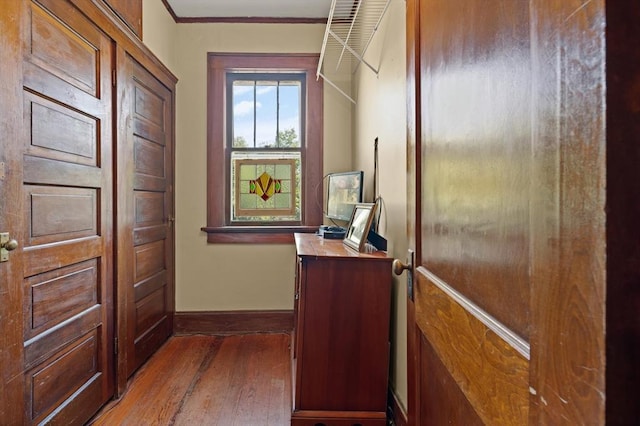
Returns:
(150,310)
(64,73)
(476,152)
(149,259)
(492,375)
(149,285)
(516,127)
(46,171)
(313,246)
(324,418)
(11,153)
(146,203)
(341,347)
(345,335)
(149,157)
(148,105)
(57,48)
(69,134)
(58,295)
(45,345)
(115,28)
(149,208)
(444,403)
(568,213)
(55,381)
(229,234)
(233,322)
(60,214)
(68,339)
(130,11)
(233,380)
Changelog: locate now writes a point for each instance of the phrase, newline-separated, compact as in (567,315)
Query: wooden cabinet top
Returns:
(130,11)
(312,245)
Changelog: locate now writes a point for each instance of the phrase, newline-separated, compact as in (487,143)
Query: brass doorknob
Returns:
(399,267)
(7,244)
(10,245)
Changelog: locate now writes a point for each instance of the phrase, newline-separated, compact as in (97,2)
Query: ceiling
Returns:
(227,9)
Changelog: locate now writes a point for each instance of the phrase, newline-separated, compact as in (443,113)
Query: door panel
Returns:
(491,373)
(444,403)
(79,282)
(67,242)
(475,161)
(471,300)
(146,212)
(506,325)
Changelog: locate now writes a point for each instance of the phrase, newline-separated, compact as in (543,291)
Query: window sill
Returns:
(255,234)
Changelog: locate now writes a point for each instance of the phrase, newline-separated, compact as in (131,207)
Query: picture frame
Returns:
(359,226)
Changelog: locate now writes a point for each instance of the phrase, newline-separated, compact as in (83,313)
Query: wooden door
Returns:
(11,217)
(505,139)
(65,164)
(145,215)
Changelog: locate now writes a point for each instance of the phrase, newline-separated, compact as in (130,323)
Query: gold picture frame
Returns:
(359,226)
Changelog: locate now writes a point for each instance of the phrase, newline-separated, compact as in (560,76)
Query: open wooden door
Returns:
(506,170)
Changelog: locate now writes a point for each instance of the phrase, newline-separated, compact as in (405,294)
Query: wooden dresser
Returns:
(340,344)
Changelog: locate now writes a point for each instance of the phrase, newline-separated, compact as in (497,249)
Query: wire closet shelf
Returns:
(351,26)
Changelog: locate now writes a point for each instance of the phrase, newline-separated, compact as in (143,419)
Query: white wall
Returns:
(235,277)
(158,31)
(220,277)
(381,112)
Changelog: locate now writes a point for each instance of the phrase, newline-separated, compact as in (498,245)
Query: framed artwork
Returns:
(359,226)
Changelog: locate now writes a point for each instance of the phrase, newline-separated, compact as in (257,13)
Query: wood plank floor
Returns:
(209,380)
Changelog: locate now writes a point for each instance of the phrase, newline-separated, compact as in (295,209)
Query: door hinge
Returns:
(115,346)
(113,78)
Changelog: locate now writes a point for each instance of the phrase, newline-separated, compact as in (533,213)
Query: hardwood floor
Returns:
(209,380)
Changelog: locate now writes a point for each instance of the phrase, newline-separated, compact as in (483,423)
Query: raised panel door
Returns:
(66,238)
(145,212)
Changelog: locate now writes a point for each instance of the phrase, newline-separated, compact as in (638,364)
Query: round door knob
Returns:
(399,267)
(10,245)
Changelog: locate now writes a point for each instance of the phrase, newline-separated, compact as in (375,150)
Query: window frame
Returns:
(219,229)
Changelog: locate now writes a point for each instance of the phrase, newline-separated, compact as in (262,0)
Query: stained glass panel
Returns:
(265,188)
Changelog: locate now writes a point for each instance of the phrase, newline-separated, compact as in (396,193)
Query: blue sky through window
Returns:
(264,97)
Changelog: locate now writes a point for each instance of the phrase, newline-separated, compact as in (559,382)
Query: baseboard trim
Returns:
(232,322)
(396,413)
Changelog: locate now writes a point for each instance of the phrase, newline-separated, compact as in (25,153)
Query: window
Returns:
(264,147)
(264,115)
